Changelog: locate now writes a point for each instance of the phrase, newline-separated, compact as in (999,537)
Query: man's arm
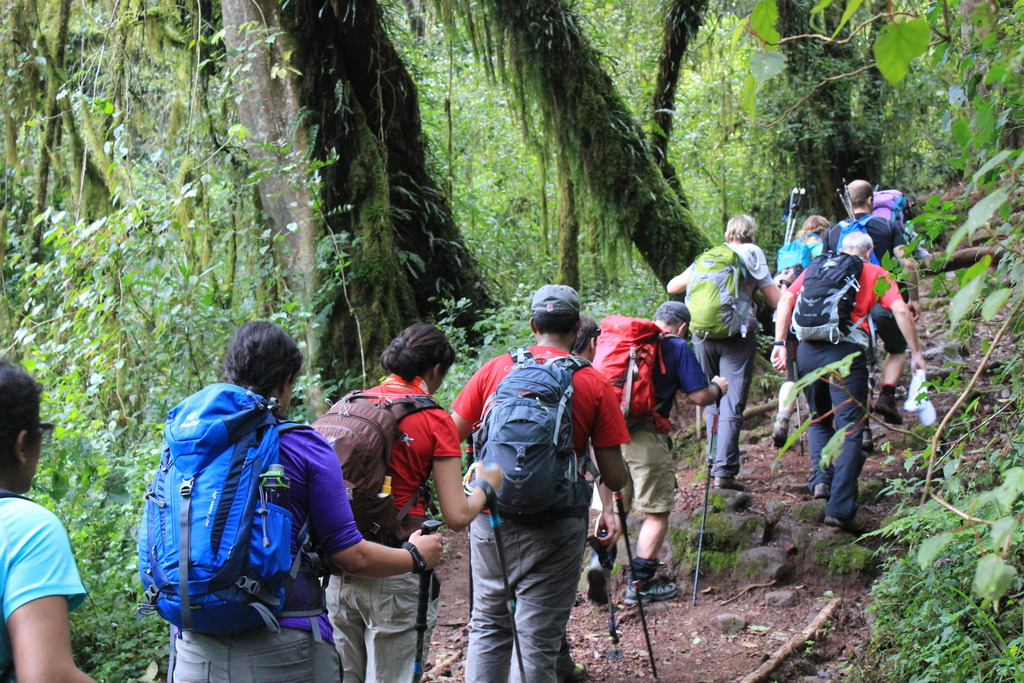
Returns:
(41,642)
(709,394)
(462,425)
(905,321)
(611,466)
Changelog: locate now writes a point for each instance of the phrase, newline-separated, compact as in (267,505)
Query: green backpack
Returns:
(712,294)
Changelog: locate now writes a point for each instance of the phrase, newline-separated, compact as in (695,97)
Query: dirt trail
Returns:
(821,564)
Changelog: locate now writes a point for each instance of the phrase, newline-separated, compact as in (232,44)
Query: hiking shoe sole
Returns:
(780,433)
(728,483)
(822,491)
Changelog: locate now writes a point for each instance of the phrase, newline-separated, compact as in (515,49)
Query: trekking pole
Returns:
(510,598)
(707,493)
(636,584)
(426,578)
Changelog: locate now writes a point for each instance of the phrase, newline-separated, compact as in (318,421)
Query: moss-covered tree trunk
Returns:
(336,104)
(683,18)
(611,160)
(826,139)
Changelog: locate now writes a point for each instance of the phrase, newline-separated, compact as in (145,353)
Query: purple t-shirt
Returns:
(682,373)
(317,488)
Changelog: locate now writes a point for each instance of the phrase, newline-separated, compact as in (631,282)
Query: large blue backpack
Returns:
(838,232)
(214,555)
(527,430)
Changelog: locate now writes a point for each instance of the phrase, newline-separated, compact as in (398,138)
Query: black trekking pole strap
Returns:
(620,506)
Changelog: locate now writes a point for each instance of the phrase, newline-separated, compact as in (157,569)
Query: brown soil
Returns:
(686,646)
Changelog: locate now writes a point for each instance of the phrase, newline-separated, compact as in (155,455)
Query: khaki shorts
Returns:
(649,458)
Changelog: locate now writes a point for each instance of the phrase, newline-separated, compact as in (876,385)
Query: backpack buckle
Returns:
(186,487)
(250,586)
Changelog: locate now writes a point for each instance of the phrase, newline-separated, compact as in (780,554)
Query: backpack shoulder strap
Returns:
(520,355)
(4,493)
(404,406)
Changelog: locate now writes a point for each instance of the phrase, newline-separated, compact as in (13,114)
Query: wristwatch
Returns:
(778,343)
(419,565)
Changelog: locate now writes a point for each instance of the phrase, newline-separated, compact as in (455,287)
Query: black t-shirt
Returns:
(885,235)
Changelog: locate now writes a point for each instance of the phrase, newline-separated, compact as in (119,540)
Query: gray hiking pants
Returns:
(543,567)
(733,359)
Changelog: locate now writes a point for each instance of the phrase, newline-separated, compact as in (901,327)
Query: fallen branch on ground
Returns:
(793,643)
(748,588)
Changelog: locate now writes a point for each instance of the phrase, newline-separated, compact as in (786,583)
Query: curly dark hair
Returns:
(19,404)
(420,347)
(555,323)
(261,357)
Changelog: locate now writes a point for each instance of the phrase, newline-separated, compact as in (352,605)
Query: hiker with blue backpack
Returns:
(235,476)
(829,308)
(535,409)
(890,250)
(793,258)
(720,287)
(375,618)
(39,581)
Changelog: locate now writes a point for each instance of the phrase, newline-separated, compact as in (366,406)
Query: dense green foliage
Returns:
(133,238)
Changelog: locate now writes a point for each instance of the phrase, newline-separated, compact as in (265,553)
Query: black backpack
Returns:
(825,302)
(527,429)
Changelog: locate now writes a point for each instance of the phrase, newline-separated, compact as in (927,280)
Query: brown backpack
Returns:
(361,428)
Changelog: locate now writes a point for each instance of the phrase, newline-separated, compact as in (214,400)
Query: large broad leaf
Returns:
(994,302)
(764,65)
(993,577)
(964,299)
(1002,529)
(898,44)
(931,548)
(762,21)
(990,164)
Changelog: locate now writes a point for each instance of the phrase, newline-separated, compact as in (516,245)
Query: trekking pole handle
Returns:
(430,526)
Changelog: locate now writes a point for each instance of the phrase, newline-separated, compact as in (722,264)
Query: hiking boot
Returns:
(844,524)
(822,491)
(728,483)
(655,590)
(867,441)
(780,431)
(569,671)
(886,407)
(597,584)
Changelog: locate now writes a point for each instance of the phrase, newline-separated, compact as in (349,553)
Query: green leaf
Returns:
(898,44)
(1002,529)
(762,21)
(964,299)
(851,7)
(931,548)
(994,302)
(990,164)
(975,270)
(764,65)
(820,7)
(834,447)
(748,96)
(993,577)
(983,210)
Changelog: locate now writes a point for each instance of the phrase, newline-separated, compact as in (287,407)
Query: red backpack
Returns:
(628,350)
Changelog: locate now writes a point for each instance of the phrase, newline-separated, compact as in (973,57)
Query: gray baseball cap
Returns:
(560,299)
(673,313)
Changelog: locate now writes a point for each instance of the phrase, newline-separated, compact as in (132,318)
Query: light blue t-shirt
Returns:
(35,562)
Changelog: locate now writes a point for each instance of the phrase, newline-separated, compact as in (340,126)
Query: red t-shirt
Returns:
(596,414)
(429,434)
(873,279)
